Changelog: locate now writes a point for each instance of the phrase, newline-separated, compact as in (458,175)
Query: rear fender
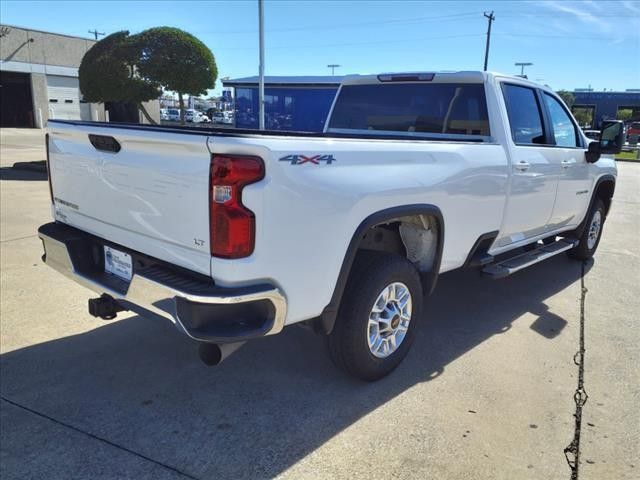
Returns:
(327,318)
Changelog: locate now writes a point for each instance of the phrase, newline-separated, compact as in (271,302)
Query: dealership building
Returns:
(39,81)
(39,78)
(602,106)
(291,103)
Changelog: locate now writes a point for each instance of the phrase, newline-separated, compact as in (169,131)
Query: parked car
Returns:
(164,114)
(173,114)
(190,115)
(633,129)
(218,117)
(195,116)
(233,236)
(228,118)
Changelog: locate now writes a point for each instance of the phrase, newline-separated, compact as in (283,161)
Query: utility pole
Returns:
(333,67)
(261,66)
(490,18)
(96,33)
(522,65)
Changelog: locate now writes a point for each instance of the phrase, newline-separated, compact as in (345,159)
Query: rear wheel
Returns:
(590,238)
(377,318)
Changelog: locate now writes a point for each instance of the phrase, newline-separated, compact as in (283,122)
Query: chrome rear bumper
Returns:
(200,309)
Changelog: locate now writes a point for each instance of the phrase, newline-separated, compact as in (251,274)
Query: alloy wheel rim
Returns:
(389,320)
(594,230)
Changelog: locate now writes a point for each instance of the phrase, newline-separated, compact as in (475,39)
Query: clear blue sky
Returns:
(571,44)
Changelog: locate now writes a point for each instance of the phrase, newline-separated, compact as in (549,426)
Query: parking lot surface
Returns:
(485,393)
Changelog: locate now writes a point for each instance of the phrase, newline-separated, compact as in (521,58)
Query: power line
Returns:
(416,40)
(556,14)
(333,67)
(379,42)
(534,35)
(349,25)
(490,19)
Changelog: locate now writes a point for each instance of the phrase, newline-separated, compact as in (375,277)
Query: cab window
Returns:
(563,128)
(525,116)
(416,108)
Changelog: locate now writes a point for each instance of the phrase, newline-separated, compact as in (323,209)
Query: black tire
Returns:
(348,342)
(582,251)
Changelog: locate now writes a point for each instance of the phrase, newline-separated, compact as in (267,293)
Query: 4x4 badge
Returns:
(315,159)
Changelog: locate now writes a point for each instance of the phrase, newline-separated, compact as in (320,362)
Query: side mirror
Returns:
(610,142)
(611,137)
(593,152)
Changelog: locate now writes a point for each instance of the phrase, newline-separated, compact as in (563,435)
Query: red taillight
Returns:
(232,226)
(46,146)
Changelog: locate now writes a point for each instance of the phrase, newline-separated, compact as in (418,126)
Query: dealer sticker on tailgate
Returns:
(117,263)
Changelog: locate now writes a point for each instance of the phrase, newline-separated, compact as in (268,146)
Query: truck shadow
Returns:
(26,174)
(140,384)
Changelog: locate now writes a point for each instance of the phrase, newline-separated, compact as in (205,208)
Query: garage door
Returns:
(16,106)
(64,97)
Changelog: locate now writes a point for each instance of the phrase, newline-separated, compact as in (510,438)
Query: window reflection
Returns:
(297,109)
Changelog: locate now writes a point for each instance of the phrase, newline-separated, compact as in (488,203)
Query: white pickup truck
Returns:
(235,234)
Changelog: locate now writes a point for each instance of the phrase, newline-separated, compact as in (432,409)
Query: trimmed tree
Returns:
(108,73)
(176,60)
(567,97)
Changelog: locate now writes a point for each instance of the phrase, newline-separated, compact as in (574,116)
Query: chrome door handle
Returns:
(522,166)
(567,163)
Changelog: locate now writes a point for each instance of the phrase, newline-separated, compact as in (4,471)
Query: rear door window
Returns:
(437,108)
(525,115)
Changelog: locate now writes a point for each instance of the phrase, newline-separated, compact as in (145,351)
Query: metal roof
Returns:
(29,29)
(630,96)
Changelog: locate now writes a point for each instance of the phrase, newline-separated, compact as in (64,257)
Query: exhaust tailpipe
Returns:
(213,354)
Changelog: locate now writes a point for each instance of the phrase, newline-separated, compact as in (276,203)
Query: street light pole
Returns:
(522,65)
(261,66)
(333,66)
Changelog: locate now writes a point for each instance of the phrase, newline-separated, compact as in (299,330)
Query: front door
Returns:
(574,187)
(535,172)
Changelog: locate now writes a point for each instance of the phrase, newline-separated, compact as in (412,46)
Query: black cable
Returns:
(572,451)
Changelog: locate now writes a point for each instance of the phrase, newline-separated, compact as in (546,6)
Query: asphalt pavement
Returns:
(486,392)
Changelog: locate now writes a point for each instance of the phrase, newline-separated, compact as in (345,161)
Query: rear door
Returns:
(143,189)
(534,170)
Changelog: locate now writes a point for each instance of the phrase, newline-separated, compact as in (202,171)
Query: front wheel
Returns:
(590,238)
(377,318)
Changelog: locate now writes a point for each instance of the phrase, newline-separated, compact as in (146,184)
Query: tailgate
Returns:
(151,196)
